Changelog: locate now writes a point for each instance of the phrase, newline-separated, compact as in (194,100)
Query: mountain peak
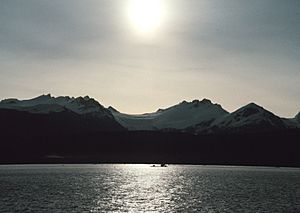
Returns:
(206,101)
(87,102)
(184,102)
(252,105)
(196,102)
(249,110)
(48,96)
(86,98)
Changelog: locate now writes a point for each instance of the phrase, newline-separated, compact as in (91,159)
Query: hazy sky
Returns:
(230,51)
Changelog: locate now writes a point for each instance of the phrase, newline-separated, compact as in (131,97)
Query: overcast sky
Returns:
(230,51)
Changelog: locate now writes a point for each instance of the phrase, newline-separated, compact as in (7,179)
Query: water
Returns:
(141,188)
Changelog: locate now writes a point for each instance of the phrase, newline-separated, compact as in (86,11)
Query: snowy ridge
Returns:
(251,116)
(180,116)
(47,104)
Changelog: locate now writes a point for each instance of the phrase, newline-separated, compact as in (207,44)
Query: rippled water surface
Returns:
(141,188)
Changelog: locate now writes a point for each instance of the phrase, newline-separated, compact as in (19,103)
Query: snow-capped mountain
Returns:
(67,113)
(47,104)
(180,116)
(195,116)
(251,117)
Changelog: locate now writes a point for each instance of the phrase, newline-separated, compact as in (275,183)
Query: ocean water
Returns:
(141,188)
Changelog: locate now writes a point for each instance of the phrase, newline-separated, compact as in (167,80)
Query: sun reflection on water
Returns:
(137,188)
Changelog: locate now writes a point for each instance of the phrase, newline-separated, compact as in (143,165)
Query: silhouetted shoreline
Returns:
(278,148)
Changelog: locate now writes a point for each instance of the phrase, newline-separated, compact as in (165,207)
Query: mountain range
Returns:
(50,129)
(197,117)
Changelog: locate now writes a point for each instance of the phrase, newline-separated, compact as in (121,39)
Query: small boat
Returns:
(161,165)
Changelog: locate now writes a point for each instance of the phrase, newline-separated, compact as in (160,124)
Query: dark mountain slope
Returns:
(18,122)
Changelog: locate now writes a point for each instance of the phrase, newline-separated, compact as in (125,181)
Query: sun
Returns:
(146,15)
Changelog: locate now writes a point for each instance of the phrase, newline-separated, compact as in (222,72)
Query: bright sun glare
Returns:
(146,15)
